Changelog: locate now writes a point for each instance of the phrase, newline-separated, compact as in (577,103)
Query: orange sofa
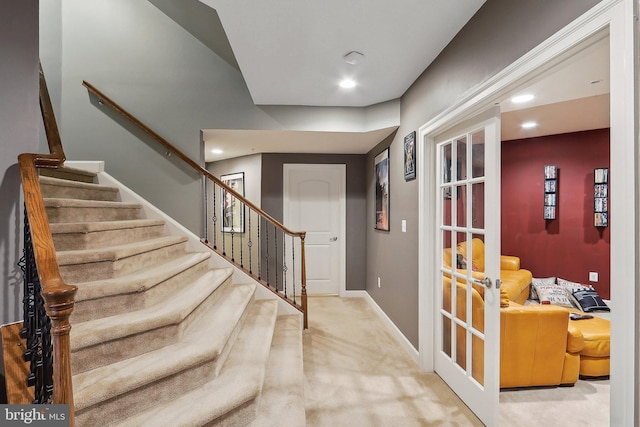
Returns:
(537,346)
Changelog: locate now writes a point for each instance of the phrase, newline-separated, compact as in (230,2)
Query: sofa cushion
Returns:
(552,294)
(584,297)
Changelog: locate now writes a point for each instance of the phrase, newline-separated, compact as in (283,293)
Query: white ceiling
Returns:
(291,52)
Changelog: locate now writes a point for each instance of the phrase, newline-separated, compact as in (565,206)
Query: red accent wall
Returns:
(569,246)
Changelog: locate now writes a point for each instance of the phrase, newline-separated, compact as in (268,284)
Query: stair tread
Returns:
(56,202)
(45,171)
(282,399)
(109,381)
(77,184)
(102,330)
(89,227)
(139,281)
(114,253)
(240,381)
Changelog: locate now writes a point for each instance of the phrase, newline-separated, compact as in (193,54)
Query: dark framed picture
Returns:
(232,209)
(550,186)
(381,171)
(549,212)
(410,156)
(601,219)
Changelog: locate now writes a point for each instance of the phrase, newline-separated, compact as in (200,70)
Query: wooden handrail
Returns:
(196,167)
(104,99)
(59,297)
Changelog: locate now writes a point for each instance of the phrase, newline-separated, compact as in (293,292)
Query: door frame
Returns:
(341,169)
(618,17)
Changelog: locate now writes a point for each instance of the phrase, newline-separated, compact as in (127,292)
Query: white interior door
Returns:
(467,347)
(315,202)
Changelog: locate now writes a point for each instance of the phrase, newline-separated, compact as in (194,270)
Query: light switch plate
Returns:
(404,225)
(593,276)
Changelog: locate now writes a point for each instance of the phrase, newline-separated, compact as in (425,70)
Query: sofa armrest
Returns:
(575,339)
(533,345)
(509,262)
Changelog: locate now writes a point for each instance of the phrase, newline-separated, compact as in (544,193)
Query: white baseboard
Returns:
(402,339)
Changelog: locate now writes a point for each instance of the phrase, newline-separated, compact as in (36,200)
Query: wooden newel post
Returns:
(59,306)
(303,294)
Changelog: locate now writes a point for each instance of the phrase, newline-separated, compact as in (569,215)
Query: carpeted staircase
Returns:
(159,337)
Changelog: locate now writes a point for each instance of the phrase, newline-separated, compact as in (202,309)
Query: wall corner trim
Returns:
(397,334)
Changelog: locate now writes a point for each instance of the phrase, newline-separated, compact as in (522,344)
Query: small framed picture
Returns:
(410,156)
(549,212)
(601,175)
(550,171)
(550,199)
(601,219)
(600,204)
(549,185)
(600,190)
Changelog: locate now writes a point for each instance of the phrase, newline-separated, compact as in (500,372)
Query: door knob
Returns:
(486,282)
(333,239)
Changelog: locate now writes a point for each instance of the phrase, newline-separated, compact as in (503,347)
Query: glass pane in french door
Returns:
(462,221)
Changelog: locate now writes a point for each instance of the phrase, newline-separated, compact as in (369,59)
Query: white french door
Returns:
(467,339)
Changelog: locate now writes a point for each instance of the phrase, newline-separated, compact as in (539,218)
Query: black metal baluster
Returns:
(37,328)
(284,264)
(275,243)
(250,245)
(259,251)
(206,209)
(293,266)
(233,230)
(215,219)
(223,196)
(242,233)
(267,257)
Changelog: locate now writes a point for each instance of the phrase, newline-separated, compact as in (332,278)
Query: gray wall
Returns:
(272,183)
(499,33)
(19,124)
(252,168)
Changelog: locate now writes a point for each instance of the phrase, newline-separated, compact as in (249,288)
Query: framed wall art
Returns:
(381,171)
(232,208)
(550,191)
(600,197)
(410,156)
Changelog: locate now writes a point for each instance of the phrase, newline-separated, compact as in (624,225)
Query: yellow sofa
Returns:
(537,346)
(516,282)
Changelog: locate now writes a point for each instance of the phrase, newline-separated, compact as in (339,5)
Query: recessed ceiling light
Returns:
(528,125)
(216,151)
(519,99)
(347,84)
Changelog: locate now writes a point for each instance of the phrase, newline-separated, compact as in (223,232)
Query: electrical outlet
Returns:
(593,276)
(378,282)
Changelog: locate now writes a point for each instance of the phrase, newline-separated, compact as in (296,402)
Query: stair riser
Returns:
(241,416)
(124,303)
(65,192)
(137,400)
(106,353)
(89,214)
(123,348)
(99,239)
(191,323)
(83,272)
(68,175)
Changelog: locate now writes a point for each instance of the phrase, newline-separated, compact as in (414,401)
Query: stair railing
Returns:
(48,300)
(240,231)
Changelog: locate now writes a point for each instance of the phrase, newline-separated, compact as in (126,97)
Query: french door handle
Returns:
(486,282)
(333,239)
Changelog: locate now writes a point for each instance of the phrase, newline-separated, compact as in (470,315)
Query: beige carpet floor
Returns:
(356,374)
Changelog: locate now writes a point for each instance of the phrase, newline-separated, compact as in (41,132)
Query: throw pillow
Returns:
(588,300)
(572,286)
(552,294)
(540,280)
